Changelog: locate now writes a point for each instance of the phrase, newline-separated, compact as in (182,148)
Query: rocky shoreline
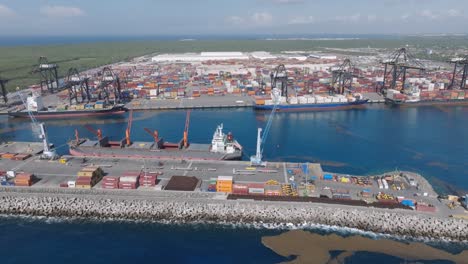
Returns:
(182,207)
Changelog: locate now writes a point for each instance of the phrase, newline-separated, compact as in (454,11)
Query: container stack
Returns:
(256,188)
(273,190)
(88,177)
(224,184)
(212,185)
(110,182)
(129,180)
(24,179)
(99,105)
(239,188)
(148,179)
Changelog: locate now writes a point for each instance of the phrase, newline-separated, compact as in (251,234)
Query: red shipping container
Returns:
(110,178)
(110,187)
(131,173)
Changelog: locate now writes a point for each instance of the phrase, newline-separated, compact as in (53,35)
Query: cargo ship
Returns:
(35,106)
(312,103)
(223,147)
(417,97)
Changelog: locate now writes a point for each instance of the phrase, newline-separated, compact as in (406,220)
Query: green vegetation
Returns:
(16,63)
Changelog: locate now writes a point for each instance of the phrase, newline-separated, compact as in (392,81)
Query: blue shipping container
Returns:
(407,202)
(328,176)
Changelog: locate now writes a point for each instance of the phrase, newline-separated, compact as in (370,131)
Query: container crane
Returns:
(3,83)
(47,152)
(342,77)
(280,75)
(110,82)
(460,67)
(396,67)
(77,86)
(261,139)
(48,73)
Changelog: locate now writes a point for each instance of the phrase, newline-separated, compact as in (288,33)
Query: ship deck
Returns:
(32,148)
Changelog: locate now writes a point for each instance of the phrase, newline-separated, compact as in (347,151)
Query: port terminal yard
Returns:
(292,179)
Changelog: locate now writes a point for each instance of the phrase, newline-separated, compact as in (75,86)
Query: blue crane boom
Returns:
(261,139)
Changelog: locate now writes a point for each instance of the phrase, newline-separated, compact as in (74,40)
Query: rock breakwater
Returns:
(192,208)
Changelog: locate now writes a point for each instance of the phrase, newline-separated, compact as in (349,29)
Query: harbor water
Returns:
(428,140)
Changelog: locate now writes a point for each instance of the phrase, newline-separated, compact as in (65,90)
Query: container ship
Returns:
(223,147)
(311,102)
(99,108)
(415,96)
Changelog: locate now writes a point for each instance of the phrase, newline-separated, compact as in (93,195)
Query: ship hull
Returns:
(313,107)
(71,113)
(427,102)
(148,154)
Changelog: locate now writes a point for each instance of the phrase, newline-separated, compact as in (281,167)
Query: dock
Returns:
(288,176)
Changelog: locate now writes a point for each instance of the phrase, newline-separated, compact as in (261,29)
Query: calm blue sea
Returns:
(429,140)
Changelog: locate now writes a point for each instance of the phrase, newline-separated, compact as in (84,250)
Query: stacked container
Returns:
(110,182)
(273,190)
(212,185)
(148,179)
(129,180)
(88,177)
(224,184)
(24,179)
(256,188)
(239,188)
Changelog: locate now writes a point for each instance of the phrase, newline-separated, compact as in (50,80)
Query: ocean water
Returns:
(428,140)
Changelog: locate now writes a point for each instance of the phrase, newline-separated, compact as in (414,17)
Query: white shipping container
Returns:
(71,184)
(131,179)
(153,92)
(311,100)
(293,100)
(256,190)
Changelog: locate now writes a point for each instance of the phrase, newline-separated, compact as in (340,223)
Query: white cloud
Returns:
(302,20)
(371,18)
(5,11)
(62,11)
(429,14)
(235,20)
(405,16)
(346,19)
(262,18)
(453,13)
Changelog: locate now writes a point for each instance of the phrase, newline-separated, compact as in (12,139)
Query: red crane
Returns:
(154,134)
(129,128)
(187,124)
(98,133)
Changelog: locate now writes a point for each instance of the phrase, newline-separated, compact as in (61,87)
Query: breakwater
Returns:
(195,207)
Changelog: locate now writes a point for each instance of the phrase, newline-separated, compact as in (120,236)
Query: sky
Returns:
(231,17)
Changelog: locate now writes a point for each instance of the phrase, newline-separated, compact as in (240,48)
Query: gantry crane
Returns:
(396,67)
(110,83)
(460,67)
(256,160)
(77,86)
(48,73)
(3,83)
(280,76)
(342,77)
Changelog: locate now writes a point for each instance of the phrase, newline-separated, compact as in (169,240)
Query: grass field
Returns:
(16,63)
